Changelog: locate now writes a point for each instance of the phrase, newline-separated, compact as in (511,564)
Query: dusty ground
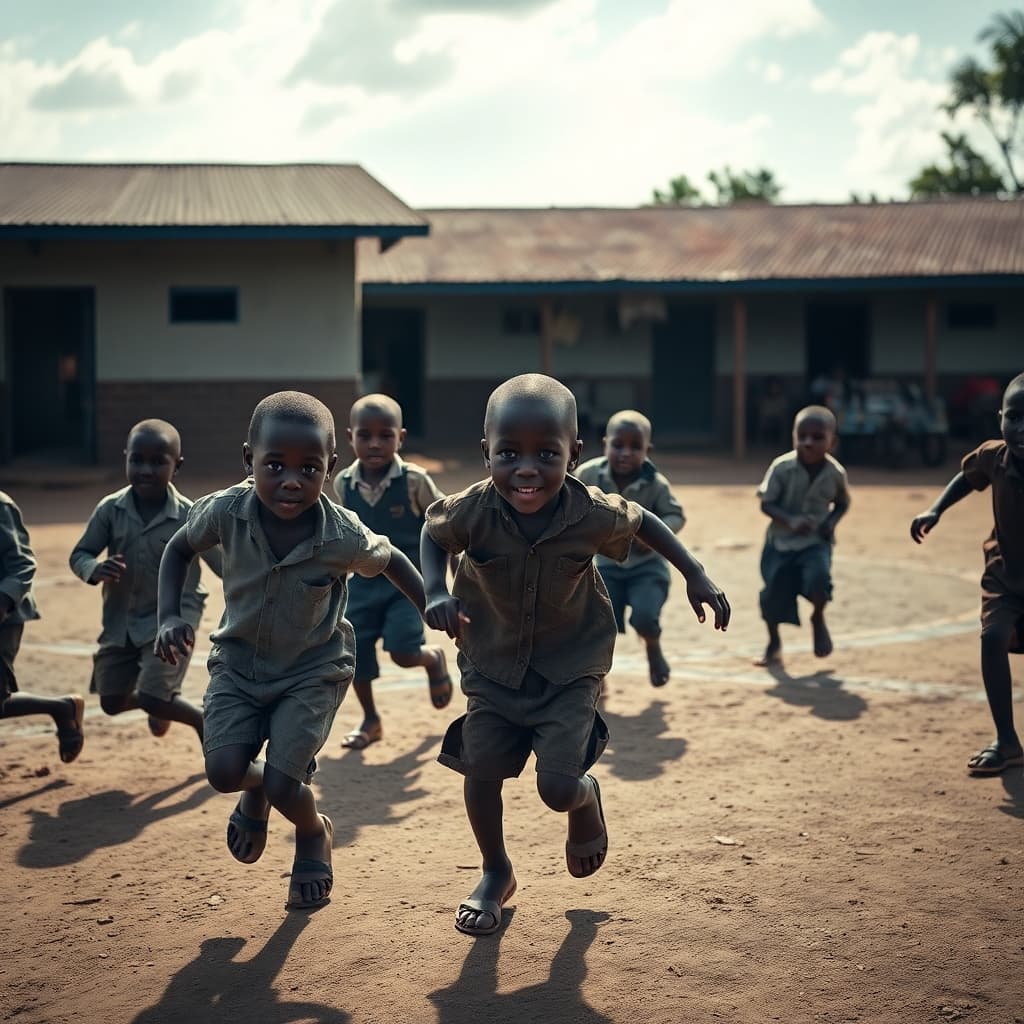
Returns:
(866,877)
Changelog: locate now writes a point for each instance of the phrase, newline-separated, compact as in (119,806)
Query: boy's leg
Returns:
(646,595)
(480,912)
(815,567)
(995,671)
(777,600)
(366,613)
(159,694)
(404,640)
(587,841)
(773,651)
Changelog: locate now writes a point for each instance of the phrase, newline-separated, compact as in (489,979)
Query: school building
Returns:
(190,291)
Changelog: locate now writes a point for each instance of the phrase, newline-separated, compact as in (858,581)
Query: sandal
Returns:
(255,828)
(991,760)
(360,739)
(441,688)
(595,846)
(491,907)
(312,870)
(70,738)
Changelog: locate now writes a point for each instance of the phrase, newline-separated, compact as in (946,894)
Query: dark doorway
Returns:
(393,360)
(838,339)
(683,374)
(50,345)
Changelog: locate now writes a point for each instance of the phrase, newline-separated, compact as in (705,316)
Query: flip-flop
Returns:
(319,869)
(70,738)
(492,907)
(158,726)
(599,844)
(255,827)
(360,739)
(441,689)
(991,760)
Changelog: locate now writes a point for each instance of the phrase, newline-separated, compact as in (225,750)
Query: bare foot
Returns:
(158,726)
(772,655)
(312,875)
(822,639)
(659,667)
(587,844)
(480,912)
(439,681)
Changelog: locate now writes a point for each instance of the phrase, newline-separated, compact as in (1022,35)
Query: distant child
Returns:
(282,656)
(642,580)
(132,526)
(805,494)
(1001,465)
(17,569)
(534,625)
(390,497)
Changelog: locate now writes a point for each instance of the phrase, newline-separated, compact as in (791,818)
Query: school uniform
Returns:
(794,564)
(394,508)
(542,629)
(17,569)
(1002,584)
(283,655)
(125,660)
(641,582)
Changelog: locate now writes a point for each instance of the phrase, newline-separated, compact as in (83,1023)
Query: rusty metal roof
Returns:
(704,246)
(278,199)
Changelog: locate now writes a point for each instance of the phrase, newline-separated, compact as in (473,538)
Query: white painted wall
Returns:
(775,335)
(297,305)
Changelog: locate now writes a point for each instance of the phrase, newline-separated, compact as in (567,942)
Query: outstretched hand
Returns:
(922,525)
(446,613)
(175,640)
(701,591)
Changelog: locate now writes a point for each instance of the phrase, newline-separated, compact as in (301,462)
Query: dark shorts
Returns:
(377,610)
(1002,610)
(10,641)
(788,575)
(493,740)
(122,670)
(643,589)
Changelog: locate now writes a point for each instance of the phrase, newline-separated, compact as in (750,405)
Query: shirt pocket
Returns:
(309,603)
(566,577)
(491,575)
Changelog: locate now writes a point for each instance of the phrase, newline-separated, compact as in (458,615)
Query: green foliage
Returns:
(681,192)
(759,185)
(968,173)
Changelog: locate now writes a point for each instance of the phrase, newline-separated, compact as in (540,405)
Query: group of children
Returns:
(545,555)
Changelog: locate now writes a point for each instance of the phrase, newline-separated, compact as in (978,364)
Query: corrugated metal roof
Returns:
(141,196)
(707,244)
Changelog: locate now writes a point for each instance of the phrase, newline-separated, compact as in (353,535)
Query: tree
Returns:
(759,185)
(995,95)
(681,192)
(968,173)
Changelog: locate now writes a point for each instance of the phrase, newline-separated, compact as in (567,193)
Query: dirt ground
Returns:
(798,846)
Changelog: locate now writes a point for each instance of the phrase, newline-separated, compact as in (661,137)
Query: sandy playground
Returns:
(802,846)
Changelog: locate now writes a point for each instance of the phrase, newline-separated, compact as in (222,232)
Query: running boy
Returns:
(132,526)
(534,625)
(805,494)
(642,580)
(390,496)
(282,656)
(17,569)
(1001,465)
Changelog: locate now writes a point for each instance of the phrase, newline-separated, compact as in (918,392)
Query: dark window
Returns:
(204,305)
(971,314)
(520,320)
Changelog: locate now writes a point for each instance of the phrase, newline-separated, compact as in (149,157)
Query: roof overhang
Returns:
(106,233)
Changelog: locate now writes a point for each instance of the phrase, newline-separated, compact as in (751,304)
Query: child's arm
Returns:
(668,510)
(700,590)
(840,507)
(174,635)
(402,573)
(442,611)
(214,558)
(19,564)
(85,561)
(956,490)
(797,522)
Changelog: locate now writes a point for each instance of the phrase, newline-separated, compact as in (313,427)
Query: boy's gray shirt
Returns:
(17,564)
(129,606)
(284,617)
(651,490)
(788,484)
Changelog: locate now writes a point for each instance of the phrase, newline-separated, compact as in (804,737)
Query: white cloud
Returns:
(773,73)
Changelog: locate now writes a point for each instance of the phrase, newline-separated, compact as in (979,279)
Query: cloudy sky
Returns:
(493,102)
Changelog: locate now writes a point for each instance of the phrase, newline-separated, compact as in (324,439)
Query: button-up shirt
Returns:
(422,489)
(17,563)
(788,485)
(285,616)
(992,464)
(539,603)
(129,606)
(650,490)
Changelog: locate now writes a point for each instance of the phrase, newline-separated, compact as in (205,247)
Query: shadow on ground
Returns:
(638,749)
(820,691)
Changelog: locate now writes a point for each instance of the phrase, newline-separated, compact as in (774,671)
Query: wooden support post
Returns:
(547,316)
(739,377)
(930,348)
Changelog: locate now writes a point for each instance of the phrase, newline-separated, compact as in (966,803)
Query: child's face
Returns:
(626,449)
(529,452)
(375,438)
(289,463)
(1011,421)
(813,439)
(150,464)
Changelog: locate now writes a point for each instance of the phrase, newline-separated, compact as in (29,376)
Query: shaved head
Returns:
(293,407)
(167,432)
(548,395)
(1015,385)
(817,412)
(383,406)
(630,418)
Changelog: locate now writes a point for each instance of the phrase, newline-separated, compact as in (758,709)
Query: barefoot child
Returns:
(17,569)
(534,625)
(132,526)
(999,464)
(642,580)
(805,494)
(390,497)
(282,656)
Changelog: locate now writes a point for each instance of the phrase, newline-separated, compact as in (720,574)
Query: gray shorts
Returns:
(10,641)
(120,670)
(293,716)
(493,740)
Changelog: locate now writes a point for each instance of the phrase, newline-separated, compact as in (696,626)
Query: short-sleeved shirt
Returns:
(422,489)
(284,616)
(17,564)
(788,485)
(992,465)
(540,603)
(650,490)
(129,606)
